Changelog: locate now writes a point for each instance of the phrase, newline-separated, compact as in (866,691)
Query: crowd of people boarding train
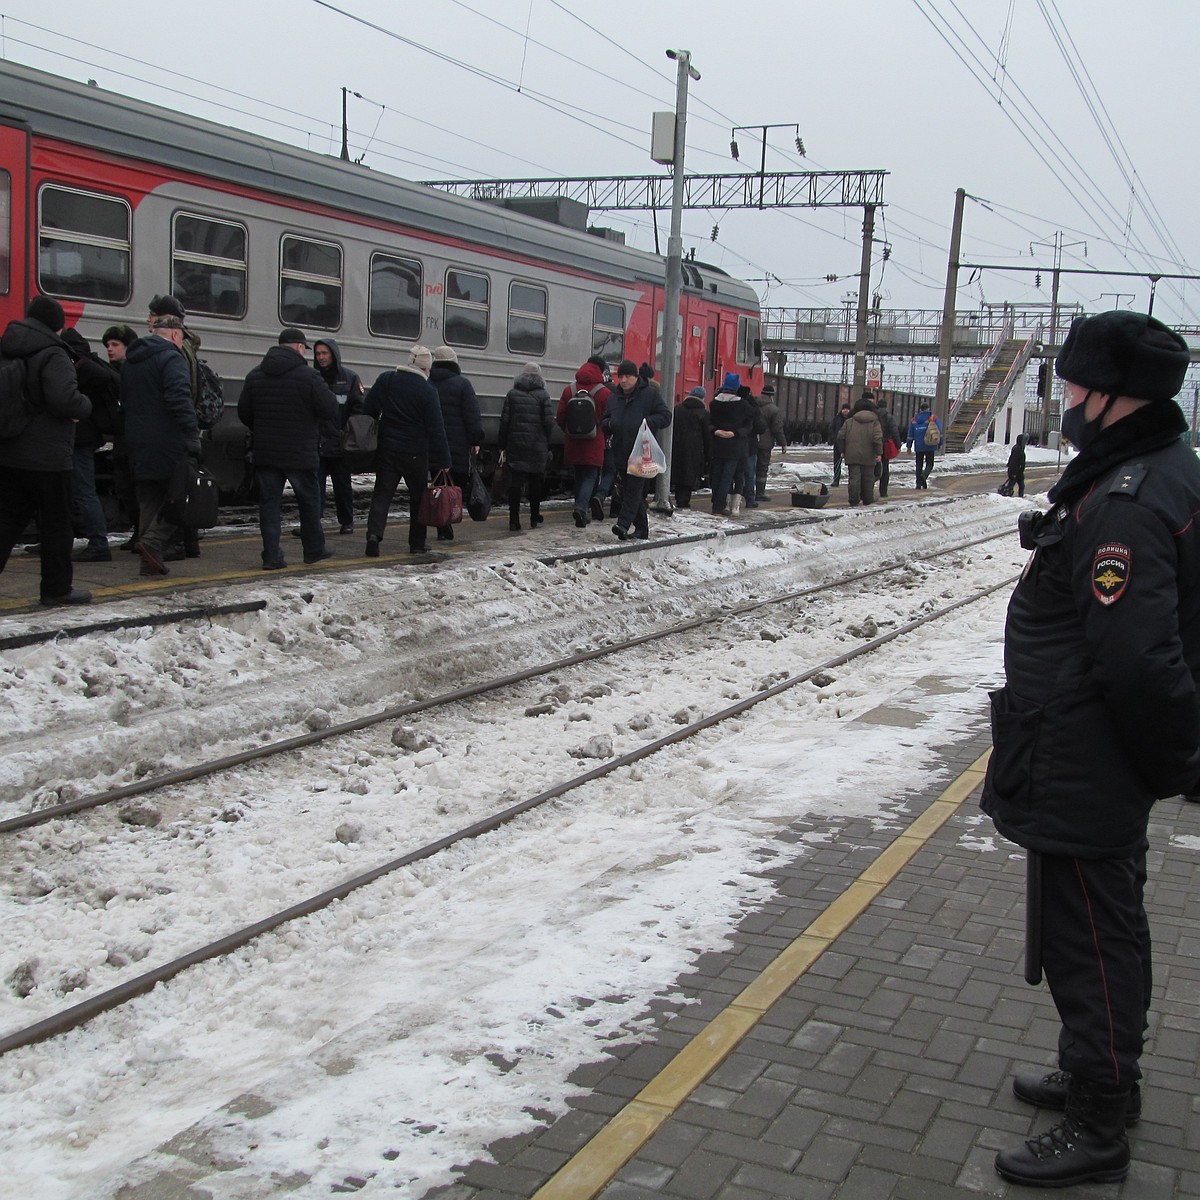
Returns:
(152,395)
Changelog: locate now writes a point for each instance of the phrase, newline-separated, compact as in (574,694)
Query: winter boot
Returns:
(1089,1145)
(1050,1091)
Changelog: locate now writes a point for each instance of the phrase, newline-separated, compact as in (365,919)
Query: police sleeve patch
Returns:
(1110,572)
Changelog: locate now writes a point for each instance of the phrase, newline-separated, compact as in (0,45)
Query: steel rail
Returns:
(41,816)
(83,1012)
(17,641)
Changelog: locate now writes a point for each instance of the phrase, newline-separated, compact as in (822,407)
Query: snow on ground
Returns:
(400,1031)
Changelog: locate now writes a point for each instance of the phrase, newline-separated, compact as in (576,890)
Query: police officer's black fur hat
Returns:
(1124,354)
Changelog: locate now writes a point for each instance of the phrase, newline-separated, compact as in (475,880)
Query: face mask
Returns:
(1080,432)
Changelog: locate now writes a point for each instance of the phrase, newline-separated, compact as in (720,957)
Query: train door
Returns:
(14,211)
(727,340)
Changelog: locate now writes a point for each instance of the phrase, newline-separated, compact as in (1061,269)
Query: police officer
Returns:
(1100,717)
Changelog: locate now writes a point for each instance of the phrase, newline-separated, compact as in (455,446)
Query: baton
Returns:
(1033,917)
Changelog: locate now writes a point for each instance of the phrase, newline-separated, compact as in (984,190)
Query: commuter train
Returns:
(107,201)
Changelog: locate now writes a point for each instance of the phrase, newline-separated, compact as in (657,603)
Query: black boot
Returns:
(1050,1091)
(1089,1145)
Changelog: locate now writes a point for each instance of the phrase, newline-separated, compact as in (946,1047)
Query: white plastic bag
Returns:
(647,459)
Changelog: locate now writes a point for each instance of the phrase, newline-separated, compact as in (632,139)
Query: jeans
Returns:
(586,478)
(390,468)
(270,493)
(723,471)
(87,503)
(338,469)
(46,495)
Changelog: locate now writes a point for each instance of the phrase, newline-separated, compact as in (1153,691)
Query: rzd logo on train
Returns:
(1110,572)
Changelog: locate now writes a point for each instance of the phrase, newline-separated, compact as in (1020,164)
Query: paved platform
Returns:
(891,966)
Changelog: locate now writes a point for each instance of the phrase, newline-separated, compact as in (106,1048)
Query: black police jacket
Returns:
(1100,714)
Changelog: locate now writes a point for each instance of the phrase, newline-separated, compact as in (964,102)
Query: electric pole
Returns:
(674,283)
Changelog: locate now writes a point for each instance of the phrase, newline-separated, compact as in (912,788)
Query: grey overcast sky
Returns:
(1068,119)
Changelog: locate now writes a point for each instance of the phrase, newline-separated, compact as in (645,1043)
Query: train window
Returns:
(208,265)
(394,305)
(310,283)
(608,331)
(83,245)
(527,320)
(467,309)
(747,336)
(5,232)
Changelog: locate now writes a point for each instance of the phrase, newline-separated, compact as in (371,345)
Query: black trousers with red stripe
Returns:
(1096,958)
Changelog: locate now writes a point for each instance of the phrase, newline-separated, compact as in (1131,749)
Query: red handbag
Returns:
(441,502)
(890,449)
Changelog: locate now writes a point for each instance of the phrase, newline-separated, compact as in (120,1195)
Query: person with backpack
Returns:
(460,416)
(40,402)
(925,434)
(581,409)
(691,447)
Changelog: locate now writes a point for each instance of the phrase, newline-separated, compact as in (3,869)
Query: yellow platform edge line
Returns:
(595,1165)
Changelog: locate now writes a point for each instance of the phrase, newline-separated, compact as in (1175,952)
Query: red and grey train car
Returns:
(105,201)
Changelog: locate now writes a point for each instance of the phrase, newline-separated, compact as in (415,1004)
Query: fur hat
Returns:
(420,357)
(291,336)
(119,333)
(445,354)
(732,382)
(627,367)
(167,306)
(1124,354)
(49,312)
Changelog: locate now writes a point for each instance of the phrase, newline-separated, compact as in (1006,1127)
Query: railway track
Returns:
(480,688)
(498,816)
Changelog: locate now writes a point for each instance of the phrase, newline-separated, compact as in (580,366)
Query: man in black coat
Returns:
(691,447)
(36,465)
(1098,719)
(283,403)
(461,418)
(99,383)
(161,432)
(634,400)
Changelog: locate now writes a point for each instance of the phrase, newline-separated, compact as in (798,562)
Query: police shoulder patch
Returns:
(1110,571)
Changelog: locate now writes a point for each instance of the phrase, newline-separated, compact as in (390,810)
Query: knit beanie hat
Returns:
(445,354)
(1124,354)
(698,392)
(627,367)
(49,312)
(422,357)
(732,382)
